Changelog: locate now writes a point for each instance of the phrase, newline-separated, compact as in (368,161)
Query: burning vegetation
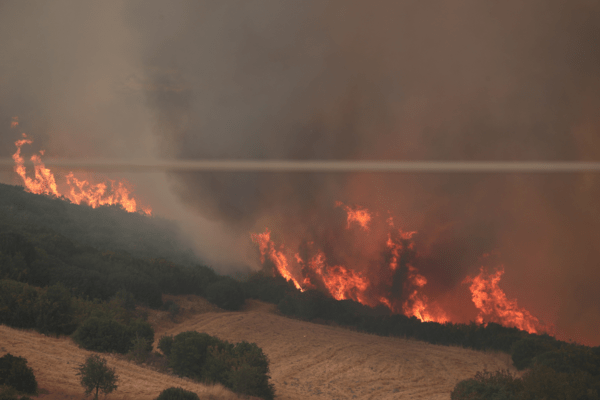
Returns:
(380,271)
(80,191)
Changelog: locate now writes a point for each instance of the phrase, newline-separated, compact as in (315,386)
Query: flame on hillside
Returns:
(394,282)
(386,276)
(80,191)
(495,307)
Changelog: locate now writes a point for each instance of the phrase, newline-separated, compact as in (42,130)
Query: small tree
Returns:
(96,375)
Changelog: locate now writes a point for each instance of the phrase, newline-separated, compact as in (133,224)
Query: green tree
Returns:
(96,375)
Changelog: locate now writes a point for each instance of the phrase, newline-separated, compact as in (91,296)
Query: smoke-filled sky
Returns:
(343,79)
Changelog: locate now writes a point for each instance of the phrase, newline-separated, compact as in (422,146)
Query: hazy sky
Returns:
(346,79)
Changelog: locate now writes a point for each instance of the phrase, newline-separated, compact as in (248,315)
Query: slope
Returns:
(54,363)
(313,361)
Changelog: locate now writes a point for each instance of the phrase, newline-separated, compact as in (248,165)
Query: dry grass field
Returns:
(312,361)
(308,361)
(54,363)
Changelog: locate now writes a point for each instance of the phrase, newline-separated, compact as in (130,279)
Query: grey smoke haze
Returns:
(410,80)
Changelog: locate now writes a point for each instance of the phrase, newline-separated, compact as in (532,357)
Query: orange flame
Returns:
(15,122)
(267,248)
(495,307)
(81,191)
(44,182)
(360,215)
(342,282)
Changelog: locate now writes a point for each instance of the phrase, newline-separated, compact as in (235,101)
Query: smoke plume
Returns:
(345,79)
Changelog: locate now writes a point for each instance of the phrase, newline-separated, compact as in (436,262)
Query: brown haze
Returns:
(410,80)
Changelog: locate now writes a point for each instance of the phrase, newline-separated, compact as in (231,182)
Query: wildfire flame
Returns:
(392,281)
(371,287)
(360,215)
(495,307)
(81,191)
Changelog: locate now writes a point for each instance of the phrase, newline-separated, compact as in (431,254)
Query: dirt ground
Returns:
(312,361)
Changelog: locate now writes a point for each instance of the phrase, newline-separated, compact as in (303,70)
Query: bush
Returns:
(18,304)
(178,393)
(526,349)
(570,359)
(188,353)
(543,382)
(242,367)
(139,329)
(226,293)
(103,335)
(165,344)
(250,374)
(10,393)
(15,373)
(266,288)
(499,385)
(55,311)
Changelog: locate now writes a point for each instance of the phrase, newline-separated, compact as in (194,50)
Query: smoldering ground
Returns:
(462,80)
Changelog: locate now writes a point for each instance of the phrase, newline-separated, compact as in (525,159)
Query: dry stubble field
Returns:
(308,361)
(312,361)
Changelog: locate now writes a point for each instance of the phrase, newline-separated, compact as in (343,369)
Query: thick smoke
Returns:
(348,79)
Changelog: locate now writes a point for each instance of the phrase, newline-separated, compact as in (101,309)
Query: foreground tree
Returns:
(96,376)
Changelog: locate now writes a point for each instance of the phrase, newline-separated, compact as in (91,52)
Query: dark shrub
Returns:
(10,393)
(524,350)
(250,373)
(189,351)
(55,311)
(165,343)
(250,381)
(178,393)
(266,288)
(543,382)
(226,293)
(18,304)
(15,373)
(104,335)
(570,359)
(499,385)
(142,330)
(243,368)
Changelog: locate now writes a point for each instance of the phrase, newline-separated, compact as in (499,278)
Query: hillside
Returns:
(313,361)
(104,228)
(54,362)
